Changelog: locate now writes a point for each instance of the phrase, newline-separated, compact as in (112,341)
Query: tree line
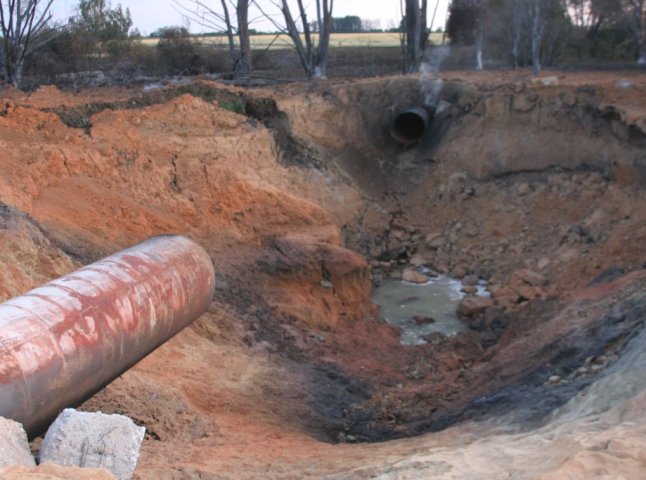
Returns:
(537,32)
(516,32)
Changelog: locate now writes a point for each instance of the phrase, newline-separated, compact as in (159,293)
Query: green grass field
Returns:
(258,42)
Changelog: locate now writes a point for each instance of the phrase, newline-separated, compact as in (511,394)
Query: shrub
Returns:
(176,51)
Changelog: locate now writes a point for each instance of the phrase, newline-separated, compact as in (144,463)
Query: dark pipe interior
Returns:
(411,125)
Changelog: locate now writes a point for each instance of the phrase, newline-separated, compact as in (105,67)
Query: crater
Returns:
(308,205)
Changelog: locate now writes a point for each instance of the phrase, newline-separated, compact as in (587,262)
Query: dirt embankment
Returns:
(536,187)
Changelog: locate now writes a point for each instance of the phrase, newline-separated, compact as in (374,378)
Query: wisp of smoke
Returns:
(431,87)
(434,58)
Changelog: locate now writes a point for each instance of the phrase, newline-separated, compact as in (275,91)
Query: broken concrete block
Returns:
(14,447)
(95,440)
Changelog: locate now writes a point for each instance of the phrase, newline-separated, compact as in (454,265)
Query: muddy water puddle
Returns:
(420,310)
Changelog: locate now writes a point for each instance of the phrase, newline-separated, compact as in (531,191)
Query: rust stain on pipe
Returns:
(62,342)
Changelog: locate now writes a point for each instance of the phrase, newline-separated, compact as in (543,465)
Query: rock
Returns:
(522,189)
(473,307)
(625,83)
(470,289)
(459,271)
(434,241)
(470,280)
(84,439)
(519,86)
(412,276)
(375,251)
(295,335)
(582,371)
(567,253)
(543,263)
(506,298)
(418,260)
(529,277)
(601,360)
(49,471)
(392,253)
(399,235)
(527,292)
(546,81)
(494,317)
(457,177)
(524,103)
(386,266)
(420,320)
(14,447)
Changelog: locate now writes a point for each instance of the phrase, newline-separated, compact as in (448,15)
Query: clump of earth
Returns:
(533,187)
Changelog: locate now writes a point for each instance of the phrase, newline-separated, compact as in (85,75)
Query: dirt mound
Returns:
(303,200)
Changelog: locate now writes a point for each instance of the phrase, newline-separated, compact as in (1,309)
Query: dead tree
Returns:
(219,18)
(480,31)
(635,15)
(466,25)
(415,34)
(537,35)
(243,65)
(21,23)
(517,30)
(312,49)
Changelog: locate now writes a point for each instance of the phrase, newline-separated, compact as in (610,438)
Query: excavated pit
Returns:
(305,202)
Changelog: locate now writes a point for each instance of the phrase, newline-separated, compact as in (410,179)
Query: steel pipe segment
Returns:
(409,126)
(62,342)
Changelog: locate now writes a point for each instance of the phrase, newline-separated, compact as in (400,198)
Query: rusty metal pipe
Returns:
(62,342)
(409,126)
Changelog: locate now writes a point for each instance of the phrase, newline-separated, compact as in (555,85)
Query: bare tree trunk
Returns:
(324,15)
(635,13)
(412,35)
(294,34)
(203,13)
(640,17)
(312,55)
(415,38)
(517,32)
(642,52)
(229,31)
(536,37)
(243,65)
(424,31)
(479,34)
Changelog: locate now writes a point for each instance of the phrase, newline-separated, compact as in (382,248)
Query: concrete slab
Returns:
(14,447)
(96,440)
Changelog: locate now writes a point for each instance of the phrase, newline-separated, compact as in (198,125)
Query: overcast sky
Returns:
(149,15)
